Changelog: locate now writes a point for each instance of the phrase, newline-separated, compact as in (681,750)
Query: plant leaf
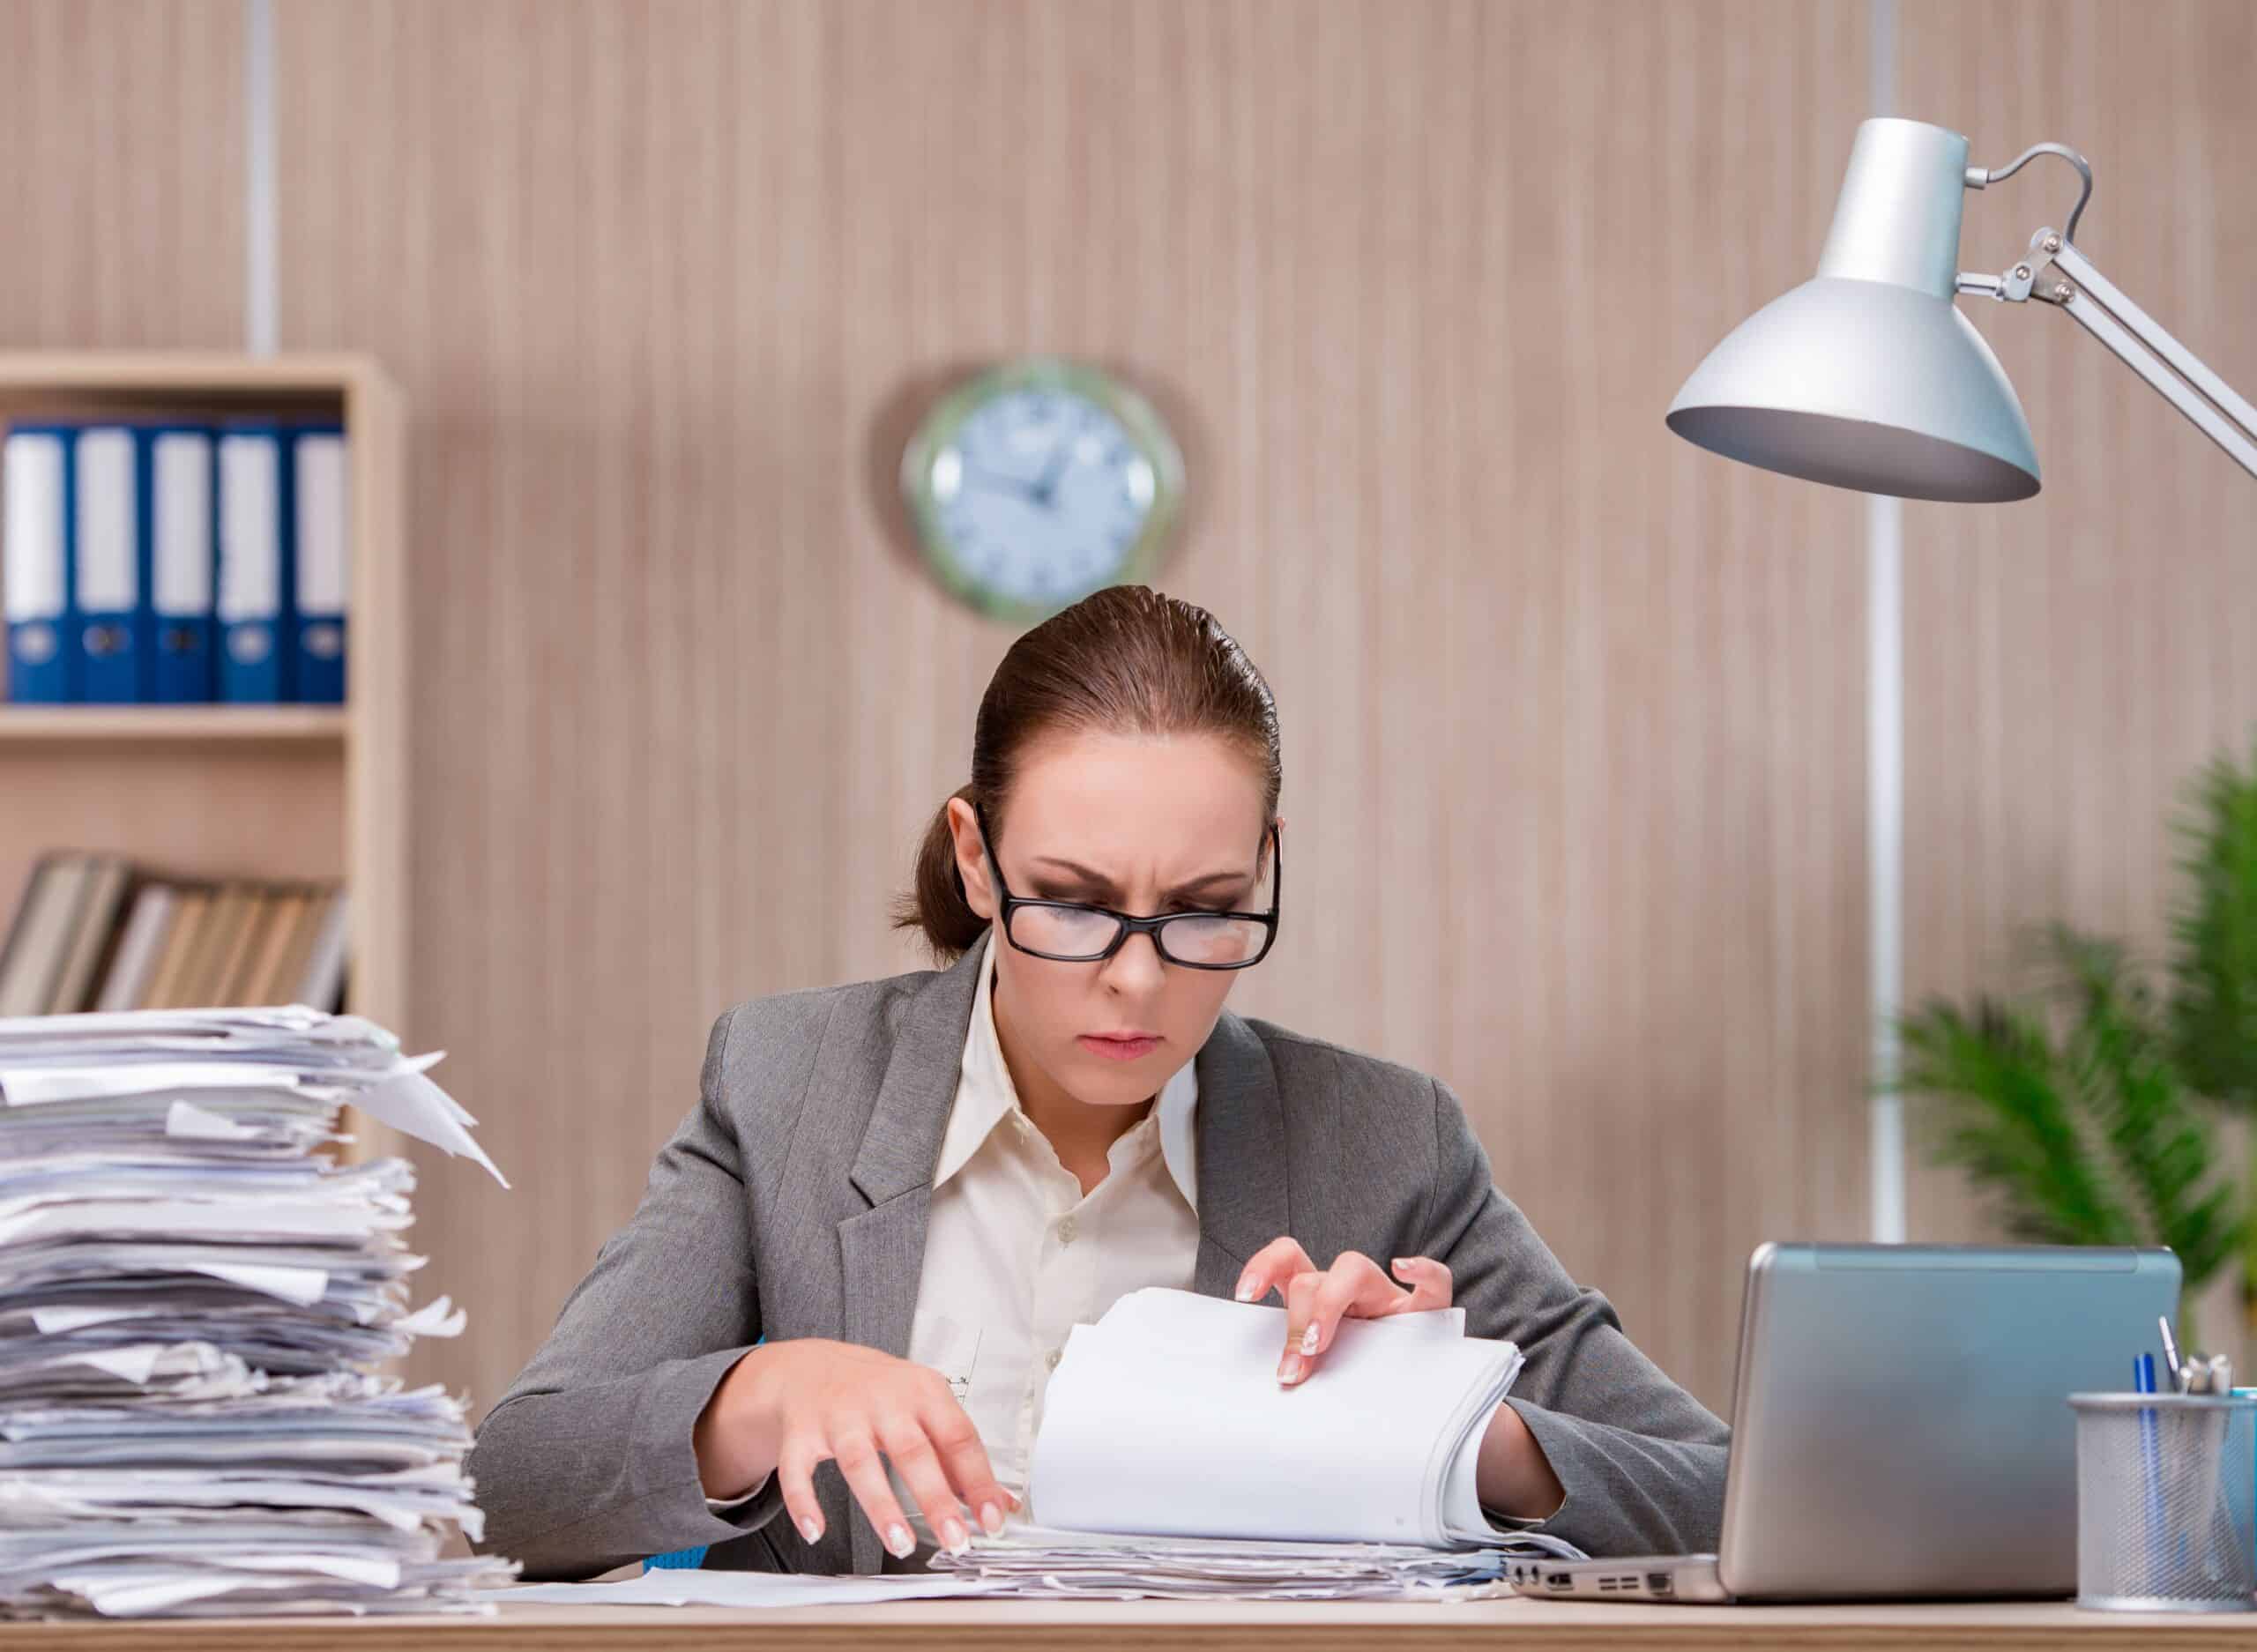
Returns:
(2000,1108)
(2160,1145)
(2214,935)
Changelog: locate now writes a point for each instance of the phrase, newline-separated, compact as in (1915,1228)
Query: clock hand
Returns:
(996,482)
(1045,486)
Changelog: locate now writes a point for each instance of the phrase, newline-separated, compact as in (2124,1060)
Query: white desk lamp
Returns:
(1869,377)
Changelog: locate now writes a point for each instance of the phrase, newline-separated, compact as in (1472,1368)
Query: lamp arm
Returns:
(2055,272)
(2094,302)
(1981,177)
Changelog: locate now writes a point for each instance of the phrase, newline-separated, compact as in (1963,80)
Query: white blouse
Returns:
(1016,1254)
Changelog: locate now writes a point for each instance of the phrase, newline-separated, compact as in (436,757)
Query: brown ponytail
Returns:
(935,902)
(1125,660)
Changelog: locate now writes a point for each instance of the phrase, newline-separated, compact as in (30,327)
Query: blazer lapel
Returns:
(881,1250)
(1243,1197)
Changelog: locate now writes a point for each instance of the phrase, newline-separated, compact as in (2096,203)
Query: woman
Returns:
(860,1255)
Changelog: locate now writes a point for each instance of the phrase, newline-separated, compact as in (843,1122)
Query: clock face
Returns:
(1038,484)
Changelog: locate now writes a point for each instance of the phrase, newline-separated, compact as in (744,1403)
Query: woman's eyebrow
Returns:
(1209,882)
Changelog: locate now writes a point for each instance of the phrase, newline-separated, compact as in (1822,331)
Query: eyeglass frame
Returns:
(1007,902)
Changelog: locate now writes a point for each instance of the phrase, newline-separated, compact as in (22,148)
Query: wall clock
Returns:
(1039,482)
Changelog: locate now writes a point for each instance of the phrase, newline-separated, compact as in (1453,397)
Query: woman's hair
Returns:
(1126,660)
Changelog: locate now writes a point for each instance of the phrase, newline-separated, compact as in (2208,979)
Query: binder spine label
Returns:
(109,573)
(35,577)
(182,517)
(323,564)
(182,555)
(254,574)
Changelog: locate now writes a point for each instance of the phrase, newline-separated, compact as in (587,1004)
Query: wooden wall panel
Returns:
(2073,658)
(1573,712)
(121,174)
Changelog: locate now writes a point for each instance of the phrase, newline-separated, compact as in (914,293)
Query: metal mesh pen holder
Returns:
(2165,1488)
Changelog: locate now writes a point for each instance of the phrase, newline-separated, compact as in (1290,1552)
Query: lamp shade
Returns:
(1868,376)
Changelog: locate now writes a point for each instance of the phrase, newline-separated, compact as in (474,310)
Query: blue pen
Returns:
(2150,1461)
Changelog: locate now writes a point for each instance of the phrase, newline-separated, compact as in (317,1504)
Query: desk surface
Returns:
(1525,1625)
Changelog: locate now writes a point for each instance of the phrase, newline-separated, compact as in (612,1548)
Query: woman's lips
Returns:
(1118,1049)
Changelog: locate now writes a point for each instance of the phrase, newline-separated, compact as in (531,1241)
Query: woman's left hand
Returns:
(1318,1298)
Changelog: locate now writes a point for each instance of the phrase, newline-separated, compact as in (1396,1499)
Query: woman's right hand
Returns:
(788,1406)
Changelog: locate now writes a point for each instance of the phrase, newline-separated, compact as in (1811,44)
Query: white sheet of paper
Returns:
(413,1104)
(28,1086)
(178,1217)
(56,1321)
(185,1118)
(131,1592)
(1192,1382)
(673,1586)
(302,1286)
(439,1318)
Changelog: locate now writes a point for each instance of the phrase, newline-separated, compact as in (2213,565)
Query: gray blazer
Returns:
(791,1202)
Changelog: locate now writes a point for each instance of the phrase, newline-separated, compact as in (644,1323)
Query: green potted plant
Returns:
(2088,1109)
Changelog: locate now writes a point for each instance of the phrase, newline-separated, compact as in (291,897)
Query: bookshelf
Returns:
(282,791)
(168,724)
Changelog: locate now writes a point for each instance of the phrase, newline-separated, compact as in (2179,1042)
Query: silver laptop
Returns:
(1900,1426)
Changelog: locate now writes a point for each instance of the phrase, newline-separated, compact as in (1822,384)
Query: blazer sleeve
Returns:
(1642,1461)
(585,1464)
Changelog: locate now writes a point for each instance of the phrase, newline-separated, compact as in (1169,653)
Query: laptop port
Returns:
(1659,1582)
(1560,1580)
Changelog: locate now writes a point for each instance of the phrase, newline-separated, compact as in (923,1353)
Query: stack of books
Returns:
(94,933)
(195,1302)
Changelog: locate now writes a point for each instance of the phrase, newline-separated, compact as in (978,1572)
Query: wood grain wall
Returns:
(120,175)
(1574,713)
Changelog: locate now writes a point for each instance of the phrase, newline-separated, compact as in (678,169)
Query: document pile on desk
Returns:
(193,1303)
(1064,1565)
(1171,1462)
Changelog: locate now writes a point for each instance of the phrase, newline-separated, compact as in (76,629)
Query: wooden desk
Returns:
(1515,1626)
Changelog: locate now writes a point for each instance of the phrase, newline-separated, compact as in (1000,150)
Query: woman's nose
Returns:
(1138,966)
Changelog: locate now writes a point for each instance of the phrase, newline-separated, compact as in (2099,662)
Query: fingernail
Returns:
(955,1539)
(1289,1370)
(1309,1340)
(898,1540)
(991,1520)
(1245,1290)
(811,1528)
(1401,1263)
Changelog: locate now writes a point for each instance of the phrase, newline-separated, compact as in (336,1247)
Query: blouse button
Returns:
(1051,1359)
(1066,1231)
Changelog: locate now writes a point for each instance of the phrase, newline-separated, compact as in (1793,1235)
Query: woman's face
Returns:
(1142,824)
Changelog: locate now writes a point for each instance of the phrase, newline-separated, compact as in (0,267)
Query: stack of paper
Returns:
(193,1304)
(1032,1560)
(1171,1462)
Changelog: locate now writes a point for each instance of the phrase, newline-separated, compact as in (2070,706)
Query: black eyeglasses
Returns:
(1075,932)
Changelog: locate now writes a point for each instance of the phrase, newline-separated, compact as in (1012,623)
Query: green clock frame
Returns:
(1145,429)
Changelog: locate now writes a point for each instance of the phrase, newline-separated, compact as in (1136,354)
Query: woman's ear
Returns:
(971,860)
